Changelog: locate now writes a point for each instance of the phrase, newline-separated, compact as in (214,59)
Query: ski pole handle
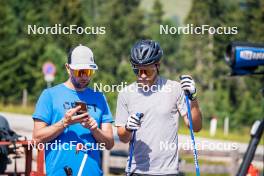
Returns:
(185,92)
(68,171)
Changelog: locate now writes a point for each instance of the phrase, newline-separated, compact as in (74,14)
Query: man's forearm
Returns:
(196,116)
(124,135)
(48,133)
(103,137)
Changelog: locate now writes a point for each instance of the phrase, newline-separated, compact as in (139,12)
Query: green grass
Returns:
(189,159)
(241,136)
(17,109)
(219,134)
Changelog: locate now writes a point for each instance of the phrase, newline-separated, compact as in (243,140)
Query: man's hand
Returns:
(90,123)
(188,85)
(70,117)
(44,133)
(104,134)
(133,123)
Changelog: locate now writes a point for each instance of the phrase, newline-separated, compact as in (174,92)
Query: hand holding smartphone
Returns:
(83,107)
(76,115)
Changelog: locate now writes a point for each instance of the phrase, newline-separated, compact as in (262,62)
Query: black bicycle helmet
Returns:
(145,52)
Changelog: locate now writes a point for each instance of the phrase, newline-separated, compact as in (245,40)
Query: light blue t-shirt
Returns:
(50,108)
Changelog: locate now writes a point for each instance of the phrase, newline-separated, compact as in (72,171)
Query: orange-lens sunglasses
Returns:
(148,72)
(83,72)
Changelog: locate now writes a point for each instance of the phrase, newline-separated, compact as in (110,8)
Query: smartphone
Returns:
(83,107)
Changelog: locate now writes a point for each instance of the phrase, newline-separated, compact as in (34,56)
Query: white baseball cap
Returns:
(81,57)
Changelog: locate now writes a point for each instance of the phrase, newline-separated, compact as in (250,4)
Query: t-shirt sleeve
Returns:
(107,115)
(181,103)
(43,109)
(121,111)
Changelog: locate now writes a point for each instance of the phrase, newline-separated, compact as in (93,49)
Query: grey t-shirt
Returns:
(156,141)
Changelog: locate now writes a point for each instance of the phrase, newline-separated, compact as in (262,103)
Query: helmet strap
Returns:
(157,68)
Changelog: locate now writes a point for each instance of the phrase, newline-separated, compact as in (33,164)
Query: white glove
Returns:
(188,85)
(133,122)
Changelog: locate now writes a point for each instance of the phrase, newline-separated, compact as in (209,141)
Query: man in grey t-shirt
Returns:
(162,102)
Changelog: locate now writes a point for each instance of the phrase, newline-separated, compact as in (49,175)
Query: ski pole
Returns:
(192,135)
(189,115)
(131,147)
(85,156)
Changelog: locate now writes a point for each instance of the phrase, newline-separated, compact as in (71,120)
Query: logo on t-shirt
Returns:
(69,105)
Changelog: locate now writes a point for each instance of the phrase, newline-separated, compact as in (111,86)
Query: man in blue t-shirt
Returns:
(60,129)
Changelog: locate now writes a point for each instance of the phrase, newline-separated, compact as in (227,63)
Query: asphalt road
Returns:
(23,125)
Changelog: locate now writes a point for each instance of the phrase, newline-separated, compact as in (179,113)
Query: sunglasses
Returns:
(83,72)
(148,72)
